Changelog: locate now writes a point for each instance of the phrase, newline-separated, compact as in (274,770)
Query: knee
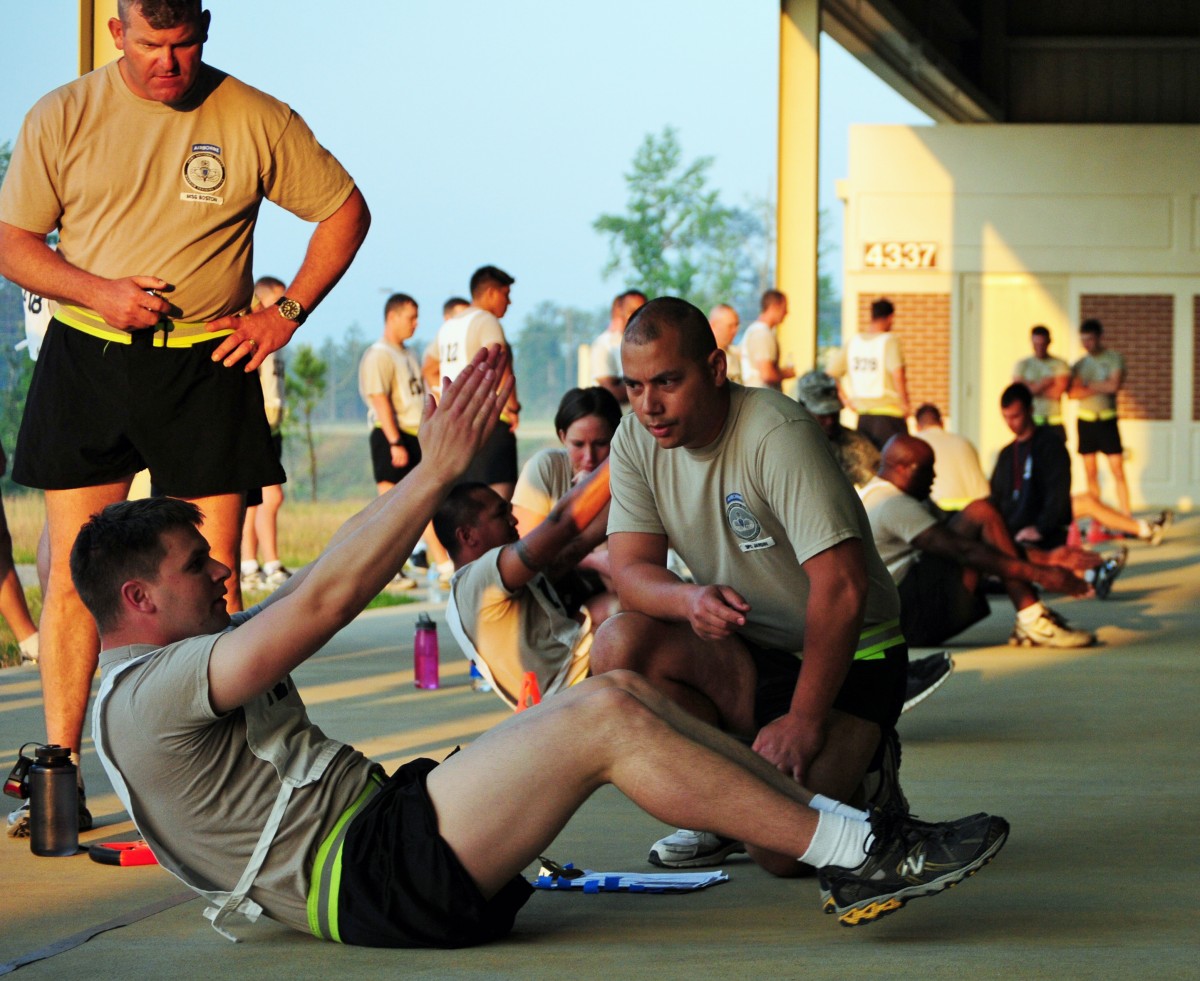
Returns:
(621,643)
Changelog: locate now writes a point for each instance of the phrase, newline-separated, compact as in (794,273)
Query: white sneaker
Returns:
(690,849)
(401,581)
(254,581)
(1050,630)
(277,577)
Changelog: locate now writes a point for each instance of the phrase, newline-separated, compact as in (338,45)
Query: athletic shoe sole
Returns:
(872,910)
(918,698)
(698,861)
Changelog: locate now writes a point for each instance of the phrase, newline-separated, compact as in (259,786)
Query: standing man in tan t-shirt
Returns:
(151,359)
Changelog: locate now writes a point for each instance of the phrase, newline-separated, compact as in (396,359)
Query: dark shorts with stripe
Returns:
(496,461)
(880,428)
(98,412)
(381,457)
(402,885)
(873,690)
(1099,436)
(935,604)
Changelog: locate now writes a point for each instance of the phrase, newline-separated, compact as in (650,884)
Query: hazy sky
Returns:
(485,132)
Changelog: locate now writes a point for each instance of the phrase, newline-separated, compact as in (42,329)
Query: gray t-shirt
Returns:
(196,786)
(544,481)
(896,519)
(749,509)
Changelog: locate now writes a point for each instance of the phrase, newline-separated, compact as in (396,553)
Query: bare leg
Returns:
(1116,463)
(69,642)
(43,560)
(12,597)
(222,529)
(1093,478)
(250,535)
(266,522)
(616,730)
(1088,506)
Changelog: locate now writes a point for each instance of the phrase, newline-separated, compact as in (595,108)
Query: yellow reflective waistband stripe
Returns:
(1046,421)
(874,642)
(1102,416)
(894,413)
(954,503)
(176,333)
(326,880)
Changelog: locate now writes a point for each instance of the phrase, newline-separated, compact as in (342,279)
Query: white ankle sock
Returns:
(249,566)
(837,841)
(1030,614)
(29,647)
(1143,528)
(269,567)
(820,802)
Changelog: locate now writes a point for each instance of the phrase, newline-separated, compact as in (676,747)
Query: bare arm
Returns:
(571,522)
(771,373)
(381,405)
(832,622)
(28,261)
(940,540)
(331,249)
(645,585)
(900,380)
(366,552)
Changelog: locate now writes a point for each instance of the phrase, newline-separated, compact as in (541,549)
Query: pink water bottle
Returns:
(425,653)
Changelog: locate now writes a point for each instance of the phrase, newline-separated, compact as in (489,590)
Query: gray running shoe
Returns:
(691,849)
(908,859)
(1050,630)
(925,676)
(1107,572)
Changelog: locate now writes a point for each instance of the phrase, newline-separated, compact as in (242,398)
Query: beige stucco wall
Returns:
(1026,221)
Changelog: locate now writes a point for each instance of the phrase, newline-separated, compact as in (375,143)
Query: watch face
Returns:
(290,309)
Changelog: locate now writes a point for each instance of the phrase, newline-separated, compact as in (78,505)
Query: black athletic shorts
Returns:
(873,690)
(496,462)
(879,429)
(401,884)
(254,495)
(935,604)
(1099,436)
(381,457)
(98,412)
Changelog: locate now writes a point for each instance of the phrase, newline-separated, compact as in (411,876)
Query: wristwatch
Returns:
(290,309)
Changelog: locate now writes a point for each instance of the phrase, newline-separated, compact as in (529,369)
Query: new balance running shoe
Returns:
(908,859)
(692,849)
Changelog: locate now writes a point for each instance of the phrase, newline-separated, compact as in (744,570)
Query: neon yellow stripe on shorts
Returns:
(874,642)
(326,880)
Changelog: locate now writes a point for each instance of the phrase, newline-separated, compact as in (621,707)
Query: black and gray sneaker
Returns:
(925,676)
(18,820)
(1107,572)
(908,859)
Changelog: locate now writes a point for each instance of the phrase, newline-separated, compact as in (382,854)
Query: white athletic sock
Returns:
(1030,614)
(273,566)
(837,841)
(29,647)
(75,758)
(249,566)
(820,802)
(1143,528)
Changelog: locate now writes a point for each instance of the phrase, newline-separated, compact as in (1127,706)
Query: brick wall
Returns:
(923,325)
(1142,328)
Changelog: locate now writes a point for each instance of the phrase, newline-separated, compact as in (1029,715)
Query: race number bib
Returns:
(38,312)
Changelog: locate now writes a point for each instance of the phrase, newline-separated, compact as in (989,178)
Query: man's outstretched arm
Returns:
(331,249)
(574,526)
(367,551)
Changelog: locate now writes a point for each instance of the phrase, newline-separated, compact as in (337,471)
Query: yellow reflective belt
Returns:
(1047,421)
(874,642)
(1102,416)
(894,413)
(326,880)
(175,333)
(954,503)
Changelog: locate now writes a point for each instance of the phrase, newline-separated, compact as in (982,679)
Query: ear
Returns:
(117,30)
(718,366)
(205,20)
(135,596)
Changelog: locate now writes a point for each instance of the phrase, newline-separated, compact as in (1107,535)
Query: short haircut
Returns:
(454,301)
(769,299)
(882,308)
(269,283)
(621,301)
(1016,392)
(461,507)
(579,403)
(669,313)
(486,276)
(123,542)
(161,14)
(1040,331)
(396,301)
(928,409)
(1092,326)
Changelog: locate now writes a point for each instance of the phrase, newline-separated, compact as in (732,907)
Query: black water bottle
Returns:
(53,803)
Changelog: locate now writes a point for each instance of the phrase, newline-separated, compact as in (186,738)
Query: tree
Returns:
(544,356)
(677,238)
(304,387)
